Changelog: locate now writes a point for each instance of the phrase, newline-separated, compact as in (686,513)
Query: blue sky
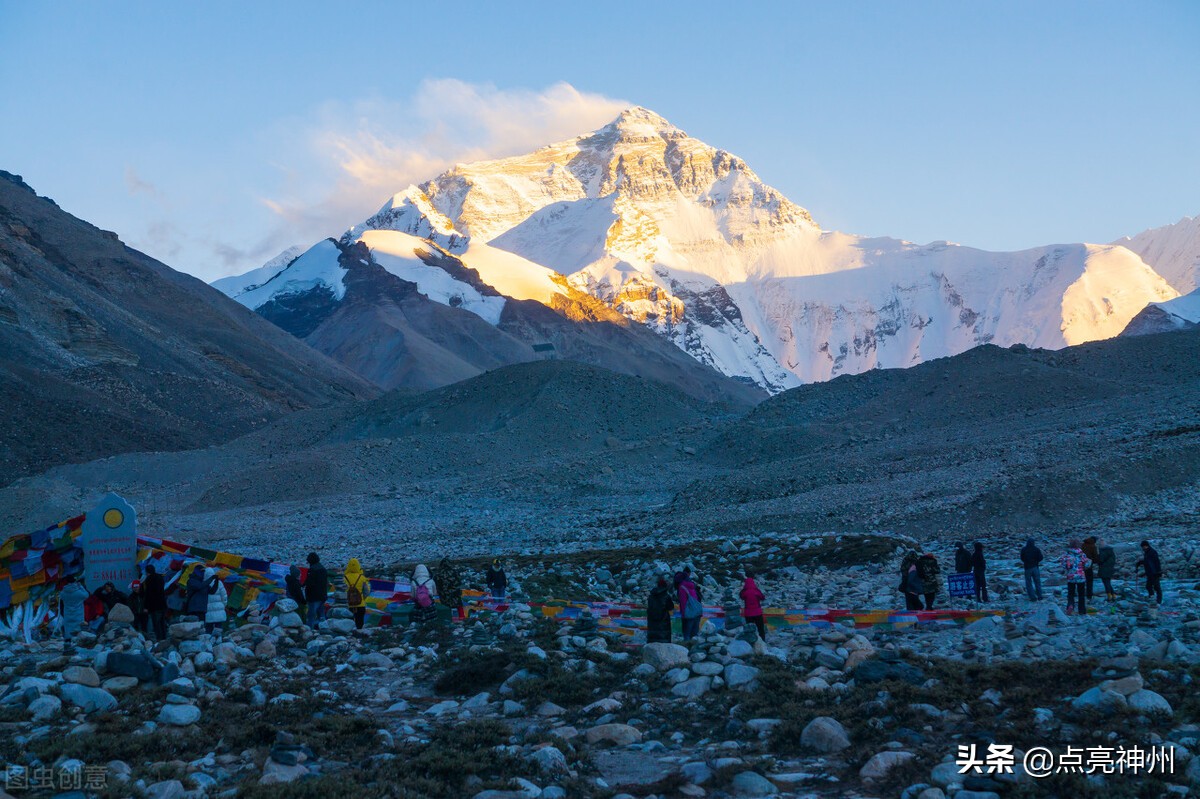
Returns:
(211,135)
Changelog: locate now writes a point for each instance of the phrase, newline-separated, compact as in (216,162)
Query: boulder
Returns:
(665,657)
(185,630)
(873,671)
(752,784)
(636,772)
(137,665)
(120,614)
(81,675)
(740,649)
(340,626)
(739,675)
(550,761)
(166,789)
(693,688)
(277,773)
(290,620)
(119,685)
(825,735)
(89,700)
(1149,702)
(616,734)
(286,605)
(878,766)
(1096,699)
(178,715)
(45,707)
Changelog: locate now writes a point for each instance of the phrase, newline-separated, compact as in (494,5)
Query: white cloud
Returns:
(340,166)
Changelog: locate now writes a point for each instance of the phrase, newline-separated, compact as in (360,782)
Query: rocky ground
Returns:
(513,705)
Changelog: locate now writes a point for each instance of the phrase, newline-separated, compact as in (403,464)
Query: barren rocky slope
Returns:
(105,350)
(555,454)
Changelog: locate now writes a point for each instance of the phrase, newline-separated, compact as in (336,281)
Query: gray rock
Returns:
(697,772)
(1149,702)
(637,772)
(738,675)
(119,685)
(740,649)
(291,620)
(550,761)
(120,614)
(137,665)
(693,688)
(873,671)
(185,630)
(340,626)
(752,784)
(878,766)
(45,707)
(946,774)
(286,605)
(277,773)
(167,789)
(665,657)
(825,734)
(1096,699)
(178,715)
(617,734)
(81,675)
(89,700)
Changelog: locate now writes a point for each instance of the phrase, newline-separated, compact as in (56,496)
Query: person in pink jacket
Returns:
(752,599)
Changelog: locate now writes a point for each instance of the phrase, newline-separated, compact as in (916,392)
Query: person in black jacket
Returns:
(295,591)
(1153,568)
(658,613)
(1031,559)
(979,567)
(316,590)
(962,559)
(156,601)
(496,579)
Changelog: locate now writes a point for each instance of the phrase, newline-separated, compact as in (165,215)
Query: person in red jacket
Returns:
(752,599)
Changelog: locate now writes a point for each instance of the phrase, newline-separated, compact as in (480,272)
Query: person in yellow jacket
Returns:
(358,588)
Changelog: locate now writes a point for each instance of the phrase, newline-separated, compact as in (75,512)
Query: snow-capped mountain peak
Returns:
(686,239)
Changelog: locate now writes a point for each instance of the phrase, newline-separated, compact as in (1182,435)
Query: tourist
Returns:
(424,590)
(1153,566)
(930,572)
(215,615)
(94,612)
(197,593)
(912,587)
(496,579)
(1074,568)
(111,597)
(907,562)
(962,559)
(73,595)
(137,604)
(658,613)
(316,590)
(1093,556)
(752,599)
(156,602)
(683,574)
(1107,568)
(450,583)
(691,607)
(979,569)
(295,591)
(1031,559)
(358,588)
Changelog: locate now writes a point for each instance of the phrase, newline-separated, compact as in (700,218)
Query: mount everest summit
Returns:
(638,227)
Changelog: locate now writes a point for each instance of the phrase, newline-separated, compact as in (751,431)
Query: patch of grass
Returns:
(471,672)
(459,760)
(569,689)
